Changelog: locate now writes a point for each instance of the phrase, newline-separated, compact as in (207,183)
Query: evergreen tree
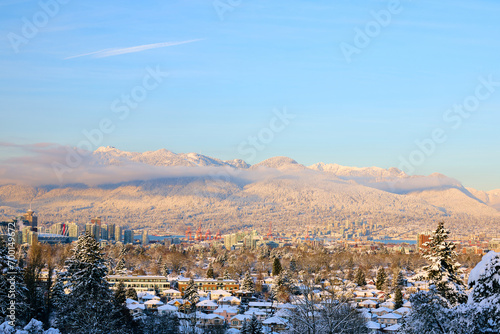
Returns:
(360,278)
(226,275)
(381,278)
(120,295)
(35,298)
(442,272)
(244,328)
(254,326)
(191,294)
(210,271)
(398,280)
(429,315)
(277,267)
(247,283)
(89,307)
(398,298)
(282,287)
(165,270)
(57,295)
(161,324)
(120,268)
(131,294)
(484,280)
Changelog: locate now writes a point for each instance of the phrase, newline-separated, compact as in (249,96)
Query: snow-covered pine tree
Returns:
(191,294)
(210,271)
(227,275)
(381,278)
(89,306)
(282,285)
(442,272)
(120,268)
(244,328)
(120,294)
(57,296)
(254,326)
(160,324)
(398,298)
(131,293)
(360,278)
(430,315)
(398,280)
(247,283)
(484,280)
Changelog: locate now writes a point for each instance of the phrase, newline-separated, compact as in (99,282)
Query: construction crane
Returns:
(218,236)
(270,232)
(188,233)
(208,235)
(199,234)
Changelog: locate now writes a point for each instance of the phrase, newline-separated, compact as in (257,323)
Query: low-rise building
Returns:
(140,283)
(209,284)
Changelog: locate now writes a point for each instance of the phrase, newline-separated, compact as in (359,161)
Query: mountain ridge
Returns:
(188,187)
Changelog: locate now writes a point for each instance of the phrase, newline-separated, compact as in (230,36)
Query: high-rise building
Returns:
(111,231)
(128,237)
(32,219)
(73,230)
(145,237)
(104,232)
(422,238)
(25,231)
(97,221)
(118,233)
(32,238)
(56,228)
(92,230)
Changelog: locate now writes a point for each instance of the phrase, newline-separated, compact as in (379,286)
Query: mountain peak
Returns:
(105,149)
(280,163)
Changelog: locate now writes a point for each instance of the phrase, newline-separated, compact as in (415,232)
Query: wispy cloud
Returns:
(132,49)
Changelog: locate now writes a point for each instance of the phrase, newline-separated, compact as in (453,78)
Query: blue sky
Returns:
(261,56)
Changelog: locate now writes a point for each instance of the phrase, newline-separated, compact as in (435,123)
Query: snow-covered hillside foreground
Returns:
(164,189)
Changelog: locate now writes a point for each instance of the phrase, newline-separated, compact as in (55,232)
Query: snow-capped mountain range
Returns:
(162,188)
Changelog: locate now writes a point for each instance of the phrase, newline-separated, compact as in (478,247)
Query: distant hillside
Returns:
(187,188)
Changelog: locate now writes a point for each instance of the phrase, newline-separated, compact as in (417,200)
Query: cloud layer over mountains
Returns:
(51,164)
(133,187)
